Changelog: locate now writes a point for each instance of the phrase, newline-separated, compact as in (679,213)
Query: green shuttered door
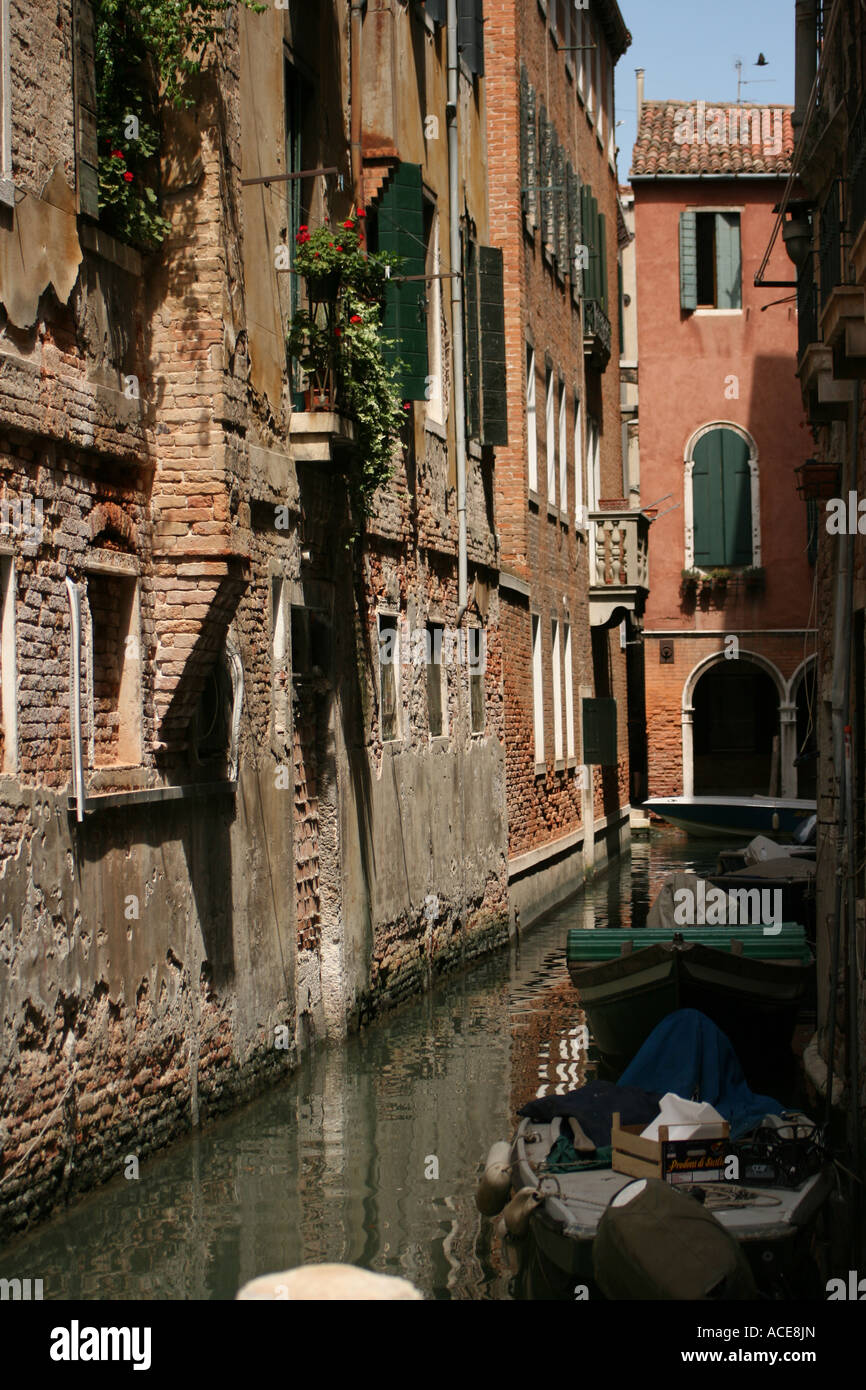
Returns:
(401,231)
(722,500)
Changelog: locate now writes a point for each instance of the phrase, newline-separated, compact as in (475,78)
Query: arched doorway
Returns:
(736,719)
(806,765)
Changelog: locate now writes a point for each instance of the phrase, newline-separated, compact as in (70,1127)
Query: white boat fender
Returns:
(520,1209)
(495,1183)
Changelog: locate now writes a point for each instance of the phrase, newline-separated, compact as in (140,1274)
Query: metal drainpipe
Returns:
(457,309)
(356,9)
(75,697)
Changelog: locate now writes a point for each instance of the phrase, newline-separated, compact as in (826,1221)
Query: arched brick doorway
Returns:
(735,721)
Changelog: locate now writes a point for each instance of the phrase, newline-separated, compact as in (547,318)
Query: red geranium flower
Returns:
(303,227)
(356,318)
(339,248)
(407,405)
(349,225)
(317,253)
(117,154)
(127,177)
(360,213)
(338,332)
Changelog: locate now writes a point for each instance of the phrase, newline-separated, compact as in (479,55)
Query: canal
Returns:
(369,1153)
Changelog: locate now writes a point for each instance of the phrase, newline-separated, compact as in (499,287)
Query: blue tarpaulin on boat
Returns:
(687,1054)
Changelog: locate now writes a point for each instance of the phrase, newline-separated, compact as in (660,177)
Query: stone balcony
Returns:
(319,436)
(596,334)
(618,562)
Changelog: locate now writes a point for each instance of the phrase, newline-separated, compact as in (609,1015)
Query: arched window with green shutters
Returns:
(722,499)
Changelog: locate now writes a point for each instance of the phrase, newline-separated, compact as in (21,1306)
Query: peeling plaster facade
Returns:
(253,868)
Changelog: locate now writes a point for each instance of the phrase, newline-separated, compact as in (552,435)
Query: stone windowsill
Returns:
(541,769)
(108,248)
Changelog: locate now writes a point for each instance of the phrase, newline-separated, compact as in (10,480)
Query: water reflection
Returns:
(331,1166)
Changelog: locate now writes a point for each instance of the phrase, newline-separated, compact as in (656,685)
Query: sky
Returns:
(688,49)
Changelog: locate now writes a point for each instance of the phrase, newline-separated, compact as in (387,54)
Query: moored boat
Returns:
(732,815)
(749,982)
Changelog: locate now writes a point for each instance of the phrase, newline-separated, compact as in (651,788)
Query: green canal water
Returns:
(333,1165)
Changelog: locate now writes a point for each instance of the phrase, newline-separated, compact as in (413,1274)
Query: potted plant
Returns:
(754,578)
(339,342)
(690,580)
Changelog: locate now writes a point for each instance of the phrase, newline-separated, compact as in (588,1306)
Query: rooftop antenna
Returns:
(751,81)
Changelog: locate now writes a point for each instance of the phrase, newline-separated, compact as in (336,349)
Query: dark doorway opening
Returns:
(736,719)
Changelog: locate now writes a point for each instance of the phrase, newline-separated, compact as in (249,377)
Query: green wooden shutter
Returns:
(470,34)
(437,10)
(602,259)
(472,362)
(722,500)
(561,214)
(737,488)
(401,231)
(525,180)
(574,230)
(86,152)
(729,293)
(494,411)
(599,732)
(688,260)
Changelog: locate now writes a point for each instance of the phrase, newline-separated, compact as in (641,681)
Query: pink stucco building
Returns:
(728,632)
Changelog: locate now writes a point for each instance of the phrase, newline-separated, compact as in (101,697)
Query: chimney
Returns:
(638,72)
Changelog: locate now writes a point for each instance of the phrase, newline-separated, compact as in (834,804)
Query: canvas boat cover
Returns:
(687,1054)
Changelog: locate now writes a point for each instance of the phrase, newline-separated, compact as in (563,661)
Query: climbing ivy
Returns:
(145,56)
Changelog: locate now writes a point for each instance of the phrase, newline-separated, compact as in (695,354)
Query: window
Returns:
(563,449)
(84,120)
(537,691)
(400,226)
(435,406)
(722,499)
(710,260)
(531,421)
(115,659)
(484,314)
(611,116)
(477,666)
(470,34)
(567,40)
(550,434)
(436,684)
(311,643)
(389,674)
(279,655)
(593,464)
(7,191)
(599,732)
(594,225)
(569,691)
(8,668)
(581,29)
(589,54)
(528,152)
(556,664)
(599,83)
(578,465)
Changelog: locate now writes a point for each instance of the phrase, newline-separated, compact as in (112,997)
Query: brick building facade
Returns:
(823,224)
(215,844)
(568,566)
(730,641)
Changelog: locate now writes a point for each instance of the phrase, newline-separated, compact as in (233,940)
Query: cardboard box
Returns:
(673,1160)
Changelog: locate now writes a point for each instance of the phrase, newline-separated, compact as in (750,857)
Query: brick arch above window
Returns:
(721,458)
(110,522)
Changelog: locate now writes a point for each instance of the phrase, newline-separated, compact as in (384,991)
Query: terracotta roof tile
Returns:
(695,137)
